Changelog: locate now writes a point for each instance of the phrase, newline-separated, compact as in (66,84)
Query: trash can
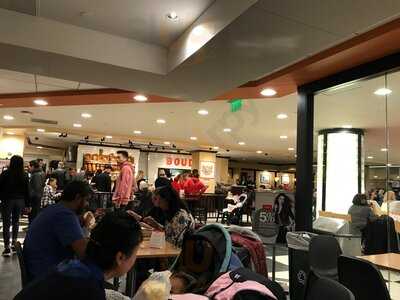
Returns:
(349,242)
(299,266)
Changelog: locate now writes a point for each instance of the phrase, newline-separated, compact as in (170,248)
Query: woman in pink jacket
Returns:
(125,182)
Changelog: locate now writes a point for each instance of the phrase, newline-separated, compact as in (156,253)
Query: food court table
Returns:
(145,252)
(387,261)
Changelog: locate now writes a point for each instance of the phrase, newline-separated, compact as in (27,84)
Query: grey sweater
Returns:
(359,217)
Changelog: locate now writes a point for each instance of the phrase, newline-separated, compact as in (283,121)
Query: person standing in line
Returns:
(14,195)
(50,193)
(103,180)
(125,181)
(60,174)
(140,177)
(36,184)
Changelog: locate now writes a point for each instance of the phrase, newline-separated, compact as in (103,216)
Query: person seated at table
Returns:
(360,213)
(56,233)
(111,252)
(144,199)
(390,205)
(178,219)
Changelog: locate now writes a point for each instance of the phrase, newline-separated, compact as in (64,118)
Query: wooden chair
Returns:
(329,214)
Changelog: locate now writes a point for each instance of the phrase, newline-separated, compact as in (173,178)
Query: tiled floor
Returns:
(10,280)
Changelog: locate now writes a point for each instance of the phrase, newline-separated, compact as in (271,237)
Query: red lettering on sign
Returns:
(178,161)
(267,207)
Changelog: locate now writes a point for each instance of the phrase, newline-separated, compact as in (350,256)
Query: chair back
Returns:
(362,278)
(323,254)
(22,267)
(327,289)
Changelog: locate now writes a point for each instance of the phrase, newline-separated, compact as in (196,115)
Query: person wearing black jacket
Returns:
(14,195)
(103,180)
(36,184)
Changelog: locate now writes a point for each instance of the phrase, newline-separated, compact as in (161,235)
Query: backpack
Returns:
(243,284)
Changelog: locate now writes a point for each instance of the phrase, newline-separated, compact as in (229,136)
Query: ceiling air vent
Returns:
(42,121)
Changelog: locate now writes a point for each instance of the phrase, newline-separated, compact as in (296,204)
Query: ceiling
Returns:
(357,105)
(18,82)
(142,20)
(255,124)
(239,41)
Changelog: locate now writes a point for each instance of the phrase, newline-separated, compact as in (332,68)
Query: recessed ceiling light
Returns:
(227,130)
(202,112)
(10,133)
(40,102)
(86,115)
(137,132)
(268,92)
(258,151)
(108,136)
(173,16)
(167,143)
(161,121)
(193,138)
(370,157)
(375,176)
(140,98)
(384,149)
(347,126)
(291,149)
(39,147)
(40,130)
(283,137)
(282,116)
(242,143)
(77,125)
(8,117)
(383,92)
(215,147)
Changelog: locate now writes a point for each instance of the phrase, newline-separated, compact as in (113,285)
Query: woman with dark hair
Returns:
(284,216)
(360,213)
(14,195)
(111,252)
(177,216)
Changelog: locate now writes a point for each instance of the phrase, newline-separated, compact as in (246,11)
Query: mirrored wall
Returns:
(357,162)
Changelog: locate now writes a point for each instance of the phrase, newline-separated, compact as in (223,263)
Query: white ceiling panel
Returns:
(55,82)
(143,20)
(342,17)
(17,82)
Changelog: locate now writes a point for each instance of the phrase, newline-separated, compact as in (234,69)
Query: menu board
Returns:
(97,157)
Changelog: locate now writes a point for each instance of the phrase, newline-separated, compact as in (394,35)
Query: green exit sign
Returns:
(236,104)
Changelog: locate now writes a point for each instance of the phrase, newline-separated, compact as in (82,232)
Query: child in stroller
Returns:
(232,213)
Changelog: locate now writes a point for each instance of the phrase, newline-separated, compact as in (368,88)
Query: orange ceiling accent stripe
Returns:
(77,97)
(361,49)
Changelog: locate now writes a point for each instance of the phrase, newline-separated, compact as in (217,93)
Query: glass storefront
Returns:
(356,160)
